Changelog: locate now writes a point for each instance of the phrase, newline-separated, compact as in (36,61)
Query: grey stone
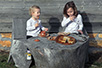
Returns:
(49,54)
(18,54)
(19,29)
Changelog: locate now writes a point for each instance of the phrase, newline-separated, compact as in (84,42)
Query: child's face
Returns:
(36,13)
(70,12)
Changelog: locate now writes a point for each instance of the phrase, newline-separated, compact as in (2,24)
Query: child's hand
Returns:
(46,29)
(80,31)
(36,25)
(72,18)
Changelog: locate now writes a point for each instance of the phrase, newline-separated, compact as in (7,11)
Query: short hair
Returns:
(68,5)
(31,9)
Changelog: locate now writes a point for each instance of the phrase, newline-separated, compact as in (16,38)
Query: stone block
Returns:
(49,54)
(19,29)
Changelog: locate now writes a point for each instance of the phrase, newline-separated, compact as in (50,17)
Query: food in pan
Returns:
(67,40)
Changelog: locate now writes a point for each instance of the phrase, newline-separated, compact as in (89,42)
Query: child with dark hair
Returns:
(72,20)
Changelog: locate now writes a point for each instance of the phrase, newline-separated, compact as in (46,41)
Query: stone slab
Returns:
(49,54)
(19,29)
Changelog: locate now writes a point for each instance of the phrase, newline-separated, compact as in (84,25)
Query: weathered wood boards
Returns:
(91,11)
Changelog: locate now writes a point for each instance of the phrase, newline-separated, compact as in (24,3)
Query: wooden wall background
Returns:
(51,16)
(51,13)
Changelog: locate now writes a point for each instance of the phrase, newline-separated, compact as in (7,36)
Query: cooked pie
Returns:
(65,40)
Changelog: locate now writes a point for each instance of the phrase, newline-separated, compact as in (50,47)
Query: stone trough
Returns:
(45,53)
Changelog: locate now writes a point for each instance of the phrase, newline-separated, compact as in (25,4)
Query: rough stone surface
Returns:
(18,54)
(49,54)
(19,29)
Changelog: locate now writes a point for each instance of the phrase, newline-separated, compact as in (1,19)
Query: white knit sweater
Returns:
(31,29)
(72,26)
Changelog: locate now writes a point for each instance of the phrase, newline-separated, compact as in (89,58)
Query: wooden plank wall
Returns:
(51,13)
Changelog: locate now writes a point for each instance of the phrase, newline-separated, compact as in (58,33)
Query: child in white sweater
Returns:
(72,20)
(34,26)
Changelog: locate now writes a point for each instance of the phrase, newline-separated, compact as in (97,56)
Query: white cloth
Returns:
(72,26)
(31,29)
